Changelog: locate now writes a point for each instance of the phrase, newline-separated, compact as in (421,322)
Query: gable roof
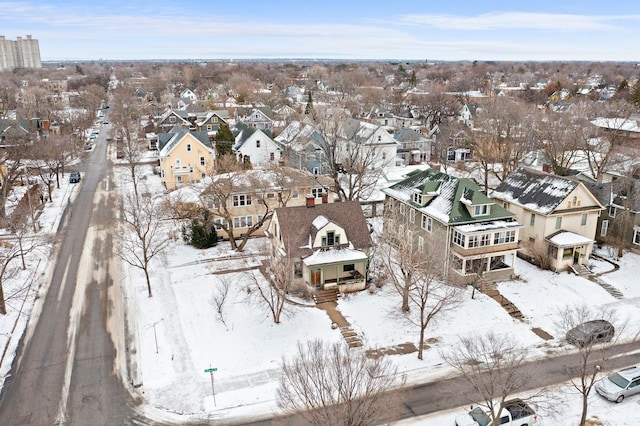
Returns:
(449,197)
(534,190)
(168,141)
(298,224)
(244,132)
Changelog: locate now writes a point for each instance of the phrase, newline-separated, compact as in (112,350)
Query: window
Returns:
(480,210)
(241,200)
(297,269)
(258,143)
(427,223)
(172,119)
(272,156)
(179,179)
(349,267)
(612,211)
(504,237)
(242,221)
(294,193)
(603,228)
(420,245)
(458,238)
(533,219)
(479,240)
(583,220)
(417,198)
(316,192)
(220,224)
(402,208)
(178,163)
(559,222)
(188,147)
(202,162)
(412,216)
(636,235)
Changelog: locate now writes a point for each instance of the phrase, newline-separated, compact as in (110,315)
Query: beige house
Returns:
(185,157)
(559,216)
(243,201)
(325,246)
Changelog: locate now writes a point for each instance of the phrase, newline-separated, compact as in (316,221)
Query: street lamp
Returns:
(155,335)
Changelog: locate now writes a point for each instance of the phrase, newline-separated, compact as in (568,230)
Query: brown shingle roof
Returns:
(296,225)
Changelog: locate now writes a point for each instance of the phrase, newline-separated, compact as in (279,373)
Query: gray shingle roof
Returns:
(537,191)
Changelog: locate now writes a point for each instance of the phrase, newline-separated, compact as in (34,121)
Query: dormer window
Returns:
(331,239)
(417,198)
(481,210)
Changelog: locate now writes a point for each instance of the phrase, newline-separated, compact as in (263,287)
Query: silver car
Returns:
(617,386)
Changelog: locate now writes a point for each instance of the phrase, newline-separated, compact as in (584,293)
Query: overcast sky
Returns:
(394,29)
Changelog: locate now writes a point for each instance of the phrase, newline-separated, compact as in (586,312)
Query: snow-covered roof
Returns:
(320,222)
(568,239)
(333,255)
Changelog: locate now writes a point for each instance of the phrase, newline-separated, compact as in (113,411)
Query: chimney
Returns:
(311,201)
(325,197)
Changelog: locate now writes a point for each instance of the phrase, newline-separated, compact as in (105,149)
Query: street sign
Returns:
(210,370)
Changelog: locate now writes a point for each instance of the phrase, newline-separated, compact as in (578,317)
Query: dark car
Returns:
(591,332)
(74,177)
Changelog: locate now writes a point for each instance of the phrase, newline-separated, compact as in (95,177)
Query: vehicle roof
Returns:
(630,373)
(589,326)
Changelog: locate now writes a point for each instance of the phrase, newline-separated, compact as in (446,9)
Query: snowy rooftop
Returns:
(569,239)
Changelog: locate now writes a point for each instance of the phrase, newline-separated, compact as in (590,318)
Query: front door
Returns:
(576,256)
(315,277)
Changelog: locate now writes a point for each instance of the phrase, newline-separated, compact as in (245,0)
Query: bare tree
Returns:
(11,251)
(271,290)
(491,364)
(220,296)
(418,275)
(593,354)
(333,385)
(355,167)
(141,236)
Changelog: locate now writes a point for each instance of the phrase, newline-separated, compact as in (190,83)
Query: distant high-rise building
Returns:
(21,53)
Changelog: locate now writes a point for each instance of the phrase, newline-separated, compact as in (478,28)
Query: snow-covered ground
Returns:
(179,334)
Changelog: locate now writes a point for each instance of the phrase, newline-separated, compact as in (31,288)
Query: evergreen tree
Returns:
(201,231)
(309,108)
(634,95)
(224,140)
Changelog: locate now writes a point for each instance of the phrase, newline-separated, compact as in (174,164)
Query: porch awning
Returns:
(324,257)
(569,239)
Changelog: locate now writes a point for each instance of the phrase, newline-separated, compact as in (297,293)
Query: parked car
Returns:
(74,177)
(515,412)
(591,332)
(618,386)
(88,146)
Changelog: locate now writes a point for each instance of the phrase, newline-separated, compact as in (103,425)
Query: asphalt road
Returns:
(65,370)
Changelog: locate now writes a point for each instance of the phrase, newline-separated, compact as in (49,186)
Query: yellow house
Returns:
(185,157)
(559,216)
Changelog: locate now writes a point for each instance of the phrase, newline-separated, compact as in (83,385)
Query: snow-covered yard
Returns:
(179,334)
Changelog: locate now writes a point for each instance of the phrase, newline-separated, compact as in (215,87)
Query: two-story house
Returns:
(367,138)
(185,157)
(240,200)
(559,216)
(415,148)
(324,245)
(301,143)
(479,237)
(254,146)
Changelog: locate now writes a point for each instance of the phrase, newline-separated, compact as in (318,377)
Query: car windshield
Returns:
(480,416)
(619,380)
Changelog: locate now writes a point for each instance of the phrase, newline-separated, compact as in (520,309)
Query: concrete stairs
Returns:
(324,296)
(490,290)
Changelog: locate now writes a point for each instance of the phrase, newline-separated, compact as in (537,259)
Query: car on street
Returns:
(591,332)
(617,386)
(74,177)
(88,146)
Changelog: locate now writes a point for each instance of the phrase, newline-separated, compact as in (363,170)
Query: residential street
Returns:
(66,371)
